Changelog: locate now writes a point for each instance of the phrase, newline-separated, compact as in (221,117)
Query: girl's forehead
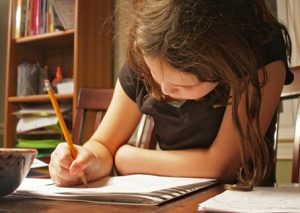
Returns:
(159,68)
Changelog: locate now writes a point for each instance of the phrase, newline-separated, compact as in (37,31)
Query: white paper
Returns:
(261,199)
(30,123)
(119,184)
(43,110)
(135,189)
(38,164)
(67,86)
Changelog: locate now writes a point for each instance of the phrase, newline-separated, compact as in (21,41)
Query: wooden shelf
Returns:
(83,54)
(45,36)
(39,98)
(48,40)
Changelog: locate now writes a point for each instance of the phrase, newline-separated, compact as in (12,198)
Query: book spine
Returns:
(30,18)
(44,16)
(23,18)
(50,16)
(37,17)
(33,22)
(27,17)
(18,19)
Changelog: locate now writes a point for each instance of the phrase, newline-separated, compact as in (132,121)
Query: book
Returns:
(27,18)
(65,10)
(41,110)
(36,17)
(43,27)
(34,122)
(17,31)
(39,169)
(20,18)
(37,144)
(55,22)
(261,199)
(136,189)
(35,117)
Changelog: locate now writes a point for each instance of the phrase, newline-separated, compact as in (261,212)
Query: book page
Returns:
(261,199)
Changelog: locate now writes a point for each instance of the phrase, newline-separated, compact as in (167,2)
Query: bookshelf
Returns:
(85,51)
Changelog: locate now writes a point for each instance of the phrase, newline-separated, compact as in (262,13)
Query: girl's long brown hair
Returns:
(218,41)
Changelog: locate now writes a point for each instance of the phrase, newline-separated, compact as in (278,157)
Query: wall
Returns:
(288,14)
(122,23)
(3,42)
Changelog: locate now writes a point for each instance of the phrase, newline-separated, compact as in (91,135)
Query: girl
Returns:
(210,73)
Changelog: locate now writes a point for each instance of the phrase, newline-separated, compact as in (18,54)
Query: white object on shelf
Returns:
(66,86)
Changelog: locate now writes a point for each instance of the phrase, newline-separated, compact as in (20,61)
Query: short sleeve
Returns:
(276,50)
(128,81)
(132,84)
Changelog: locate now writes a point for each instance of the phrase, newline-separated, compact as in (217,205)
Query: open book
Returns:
(130,189)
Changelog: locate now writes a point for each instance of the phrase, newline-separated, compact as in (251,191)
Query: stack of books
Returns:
(38,128)
(35,17)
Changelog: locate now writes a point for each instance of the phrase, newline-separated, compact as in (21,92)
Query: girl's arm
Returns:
(95,158)
(116,128)
(222,159)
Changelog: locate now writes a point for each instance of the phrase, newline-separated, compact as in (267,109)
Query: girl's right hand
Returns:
(64,170)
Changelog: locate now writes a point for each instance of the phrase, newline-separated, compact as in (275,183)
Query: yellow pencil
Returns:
(62,124)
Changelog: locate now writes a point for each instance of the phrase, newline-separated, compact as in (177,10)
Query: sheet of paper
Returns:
(118,184)
(261,199)
(30,123)
(38,164)
(41,110)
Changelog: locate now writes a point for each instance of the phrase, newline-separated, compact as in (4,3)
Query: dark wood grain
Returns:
(91,107)
(90,100)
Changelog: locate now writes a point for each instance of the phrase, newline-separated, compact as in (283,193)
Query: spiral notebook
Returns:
(137,189)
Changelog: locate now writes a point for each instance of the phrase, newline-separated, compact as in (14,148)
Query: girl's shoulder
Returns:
(275,50)
(132,83)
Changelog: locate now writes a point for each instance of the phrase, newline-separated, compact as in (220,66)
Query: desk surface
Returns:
(185,204)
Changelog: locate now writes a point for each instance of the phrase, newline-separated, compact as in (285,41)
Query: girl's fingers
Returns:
(62,177)
(80,163)
(59,166)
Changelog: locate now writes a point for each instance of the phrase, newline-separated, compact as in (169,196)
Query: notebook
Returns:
(137,189)
(261,199)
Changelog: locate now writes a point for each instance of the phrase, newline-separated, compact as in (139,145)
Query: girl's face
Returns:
(176,84)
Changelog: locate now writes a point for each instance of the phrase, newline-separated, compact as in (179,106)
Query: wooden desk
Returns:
(187,204)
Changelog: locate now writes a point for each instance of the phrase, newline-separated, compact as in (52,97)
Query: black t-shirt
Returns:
(196,123)
(193,125)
